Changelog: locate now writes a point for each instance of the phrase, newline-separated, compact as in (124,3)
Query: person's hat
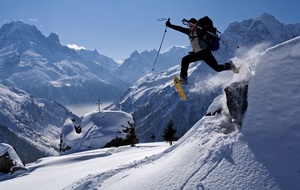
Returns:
(193,20)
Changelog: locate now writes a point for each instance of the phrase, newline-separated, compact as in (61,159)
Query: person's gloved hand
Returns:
(168,23)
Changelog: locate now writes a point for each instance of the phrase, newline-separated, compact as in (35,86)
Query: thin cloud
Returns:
(33,20)
(76,47)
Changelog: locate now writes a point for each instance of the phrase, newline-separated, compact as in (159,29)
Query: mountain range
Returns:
(43,72)
(265,30)
(44,68)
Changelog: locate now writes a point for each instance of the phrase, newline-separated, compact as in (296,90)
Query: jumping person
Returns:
(201,50)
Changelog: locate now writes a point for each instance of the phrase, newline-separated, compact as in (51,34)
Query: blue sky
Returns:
(116,28)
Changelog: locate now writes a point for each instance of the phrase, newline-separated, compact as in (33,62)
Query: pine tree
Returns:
(131,137)
(169,133)
(152,137)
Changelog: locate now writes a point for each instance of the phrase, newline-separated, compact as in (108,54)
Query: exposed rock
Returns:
(215,112)
(6,163)
(9,159)
(237,103)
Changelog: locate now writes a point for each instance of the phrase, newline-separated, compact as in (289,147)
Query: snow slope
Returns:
(58,172)
(264,154)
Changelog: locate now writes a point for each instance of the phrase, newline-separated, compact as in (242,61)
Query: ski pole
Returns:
(162,19)
(186,22)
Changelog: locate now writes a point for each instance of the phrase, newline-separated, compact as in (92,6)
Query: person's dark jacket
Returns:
(197,37)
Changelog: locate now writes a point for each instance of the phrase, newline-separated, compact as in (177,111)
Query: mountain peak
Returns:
(54,37)
(134,53)
(15,26)
(267,19)
(16,31)
(266,16)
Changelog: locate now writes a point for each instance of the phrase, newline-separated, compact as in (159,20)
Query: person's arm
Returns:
(178,28)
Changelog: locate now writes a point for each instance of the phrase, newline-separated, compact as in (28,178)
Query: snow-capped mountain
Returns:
(31,125)
(94,56)
(264,154)
(265,30)
(43,67)
(153,100)
(139,64)
(246,34)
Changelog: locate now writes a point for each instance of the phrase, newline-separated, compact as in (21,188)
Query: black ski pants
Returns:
(204,55)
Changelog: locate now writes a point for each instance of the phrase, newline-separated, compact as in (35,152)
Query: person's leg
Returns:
(204,55)
(212,62)
(185,62)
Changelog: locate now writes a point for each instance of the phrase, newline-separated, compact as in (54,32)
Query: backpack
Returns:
(212,39)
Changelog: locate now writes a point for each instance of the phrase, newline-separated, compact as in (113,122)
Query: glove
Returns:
(168,23)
